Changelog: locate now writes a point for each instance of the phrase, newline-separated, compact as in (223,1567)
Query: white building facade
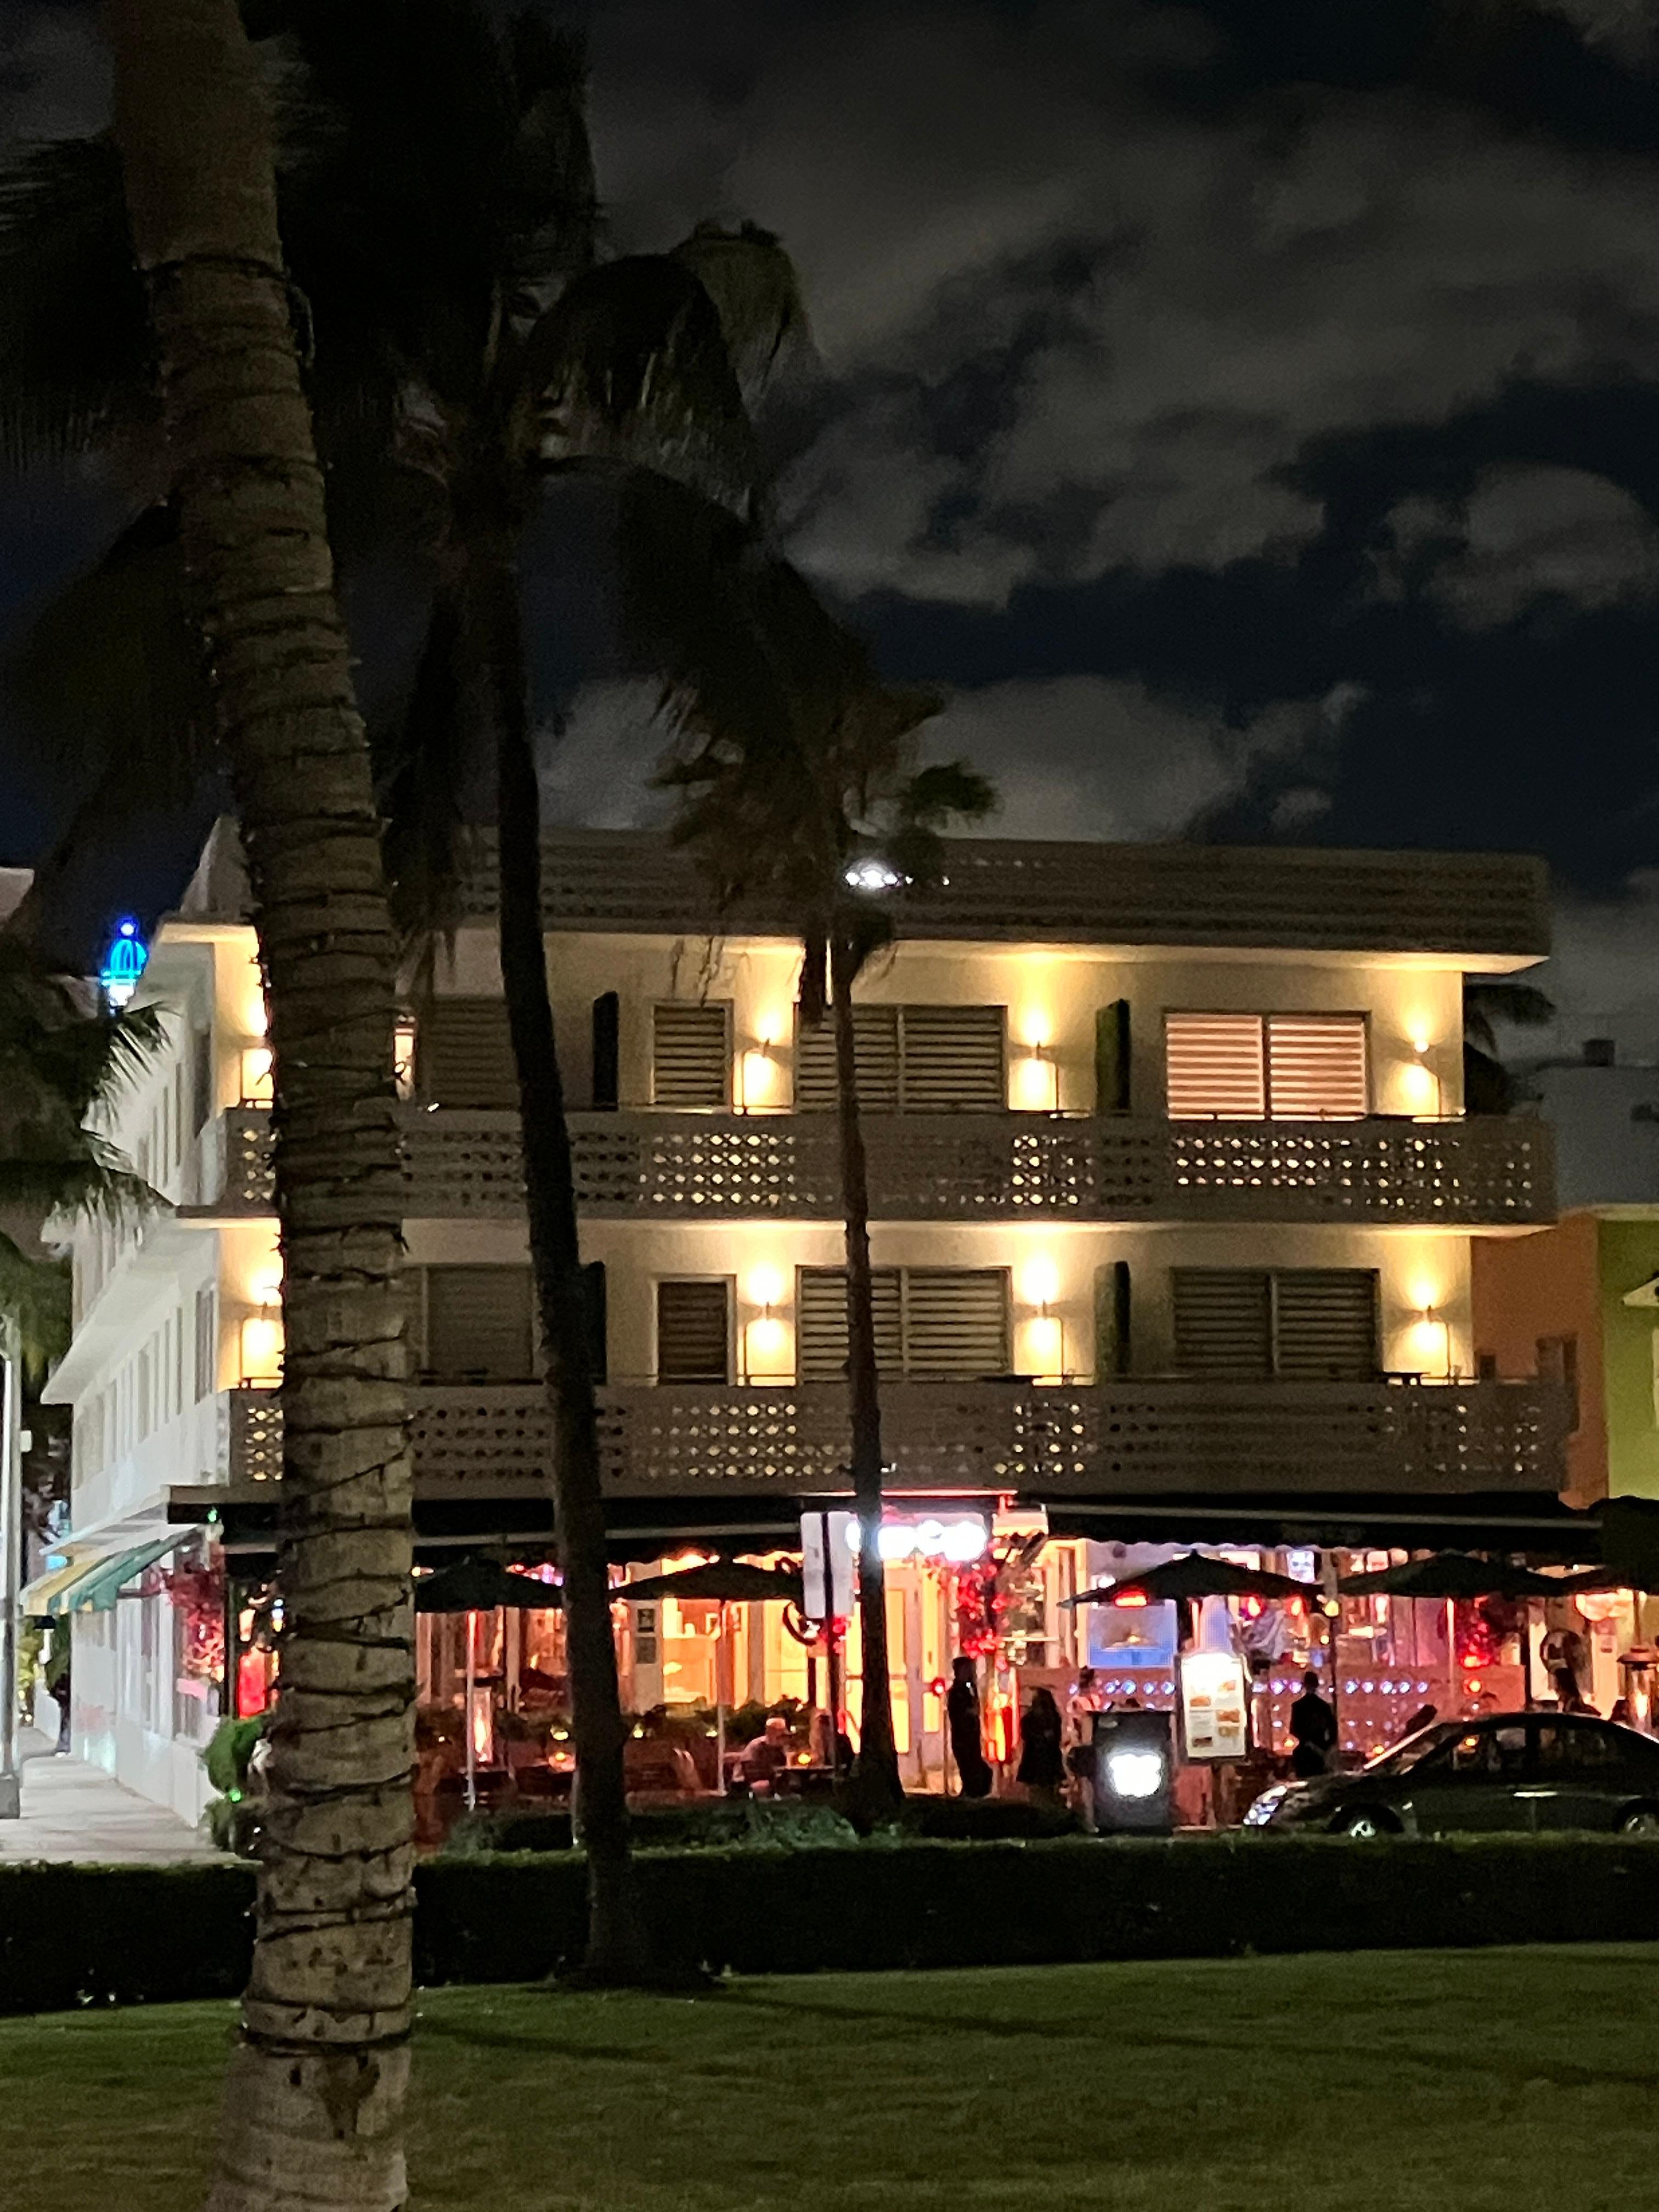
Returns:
(1173,1201)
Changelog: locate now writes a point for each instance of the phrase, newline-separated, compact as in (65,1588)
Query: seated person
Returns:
(767,1755)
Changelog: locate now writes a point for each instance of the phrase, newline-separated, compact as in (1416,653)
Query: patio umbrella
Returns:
(480,1585)
(723,1583)
(728,1581)
(1454,1574)
(1190,1577)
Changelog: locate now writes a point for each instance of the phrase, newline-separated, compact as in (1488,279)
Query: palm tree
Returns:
(63,1063)
(1488,1085)
(448,381)
(312,2114)
(798,792)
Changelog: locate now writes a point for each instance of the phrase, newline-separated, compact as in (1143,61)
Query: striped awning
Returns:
(99,1582)
(62,1568)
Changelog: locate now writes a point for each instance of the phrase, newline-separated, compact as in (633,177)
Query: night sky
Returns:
(1250,411)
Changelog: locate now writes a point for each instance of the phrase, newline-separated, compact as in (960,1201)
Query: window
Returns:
(1266,1068)
(478,1324)
(201,1078)
(1308,1324)
(1498,1754)
(691,1053)
(1572,1745)
(911,1060)
(464,1054)
(930,1322)
(693,1331)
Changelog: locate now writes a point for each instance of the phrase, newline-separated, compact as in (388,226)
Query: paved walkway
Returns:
(74,1811)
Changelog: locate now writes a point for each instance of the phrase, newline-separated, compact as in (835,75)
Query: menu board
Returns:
(1214,1705)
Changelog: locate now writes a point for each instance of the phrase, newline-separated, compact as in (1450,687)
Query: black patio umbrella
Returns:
(728,1581)
(1190,1577)
(1454,1574)
(480,1585)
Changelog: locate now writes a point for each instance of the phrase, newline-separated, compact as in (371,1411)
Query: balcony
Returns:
(1123,1438)
(1479,1172)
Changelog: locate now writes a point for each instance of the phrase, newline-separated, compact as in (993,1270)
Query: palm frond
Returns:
(92,1185)
(77,366)
(35,1297)
(1489,1001)
(110,673)
(421,767)
(630,365)
(756,292)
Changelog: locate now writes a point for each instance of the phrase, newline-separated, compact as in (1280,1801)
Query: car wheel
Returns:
(1643,1821)
(1365,1825)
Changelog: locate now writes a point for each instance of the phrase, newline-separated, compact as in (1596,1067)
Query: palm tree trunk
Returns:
(878,1774)
(314,2114)
(616,1947)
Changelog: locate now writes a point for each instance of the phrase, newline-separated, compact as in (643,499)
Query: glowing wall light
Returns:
(123,964)
(257,1080)
(262,1347)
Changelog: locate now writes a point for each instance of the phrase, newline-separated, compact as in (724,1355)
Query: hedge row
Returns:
(72,1935)
(738,1820)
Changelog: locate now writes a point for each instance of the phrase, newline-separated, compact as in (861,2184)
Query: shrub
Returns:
(76,1934)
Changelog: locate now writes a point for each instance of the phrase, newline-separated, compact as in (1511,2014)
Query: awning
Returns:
(96,1587)
(70,1567)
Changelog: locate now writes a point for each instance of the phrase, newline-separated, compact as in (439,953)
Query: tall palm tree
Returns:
(448,381)
(798,791)
(313,2115)
(64,1064)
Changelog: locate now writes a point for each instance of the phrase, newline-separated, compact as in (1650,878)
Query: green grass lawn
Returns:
(1506,2079)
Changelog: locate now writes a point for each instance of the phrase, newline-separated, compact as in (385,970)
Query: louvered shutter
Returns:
(953,1060)
(1316,1067)
(693,1332)
(1216,1069)
(820,1323)
(875,1048)
(207,1342)
(690,1053)
(1325,1322)
(1223,1321)
(478,1325)
(464,1054)
(956,1322)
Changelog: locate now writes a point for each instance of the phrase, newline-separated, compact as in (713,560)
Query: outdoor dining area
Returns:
(726,1690)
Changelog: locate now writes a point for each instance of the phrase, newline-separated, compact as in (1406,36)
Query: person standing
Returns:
(962,1712)
(1313,1728)
(1041,1767)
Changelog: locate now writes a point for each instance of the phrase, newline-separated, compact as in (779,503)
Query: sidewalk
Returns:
(73,1811)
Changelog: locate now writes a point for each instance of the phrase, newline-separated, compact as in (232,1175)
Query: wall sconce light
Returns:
(1036,1073)
(1421,1081)
(1432,1334)
(766,1338)
(262,1347)
(759,1078)
(259,1084)
(1044,1333)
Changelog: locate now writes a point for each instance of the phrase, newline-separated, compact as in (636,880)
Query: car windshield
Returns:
(1400,1758)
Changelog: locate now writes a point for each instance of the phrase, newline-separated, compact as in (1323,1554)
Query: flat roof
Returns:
(1476,908)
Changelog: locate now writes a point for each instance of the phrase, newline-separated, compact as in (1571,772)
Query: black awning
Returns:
(1533,1522)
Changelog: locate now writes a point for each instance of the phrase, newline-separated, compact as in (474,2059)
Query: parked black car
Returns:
(1511,1771)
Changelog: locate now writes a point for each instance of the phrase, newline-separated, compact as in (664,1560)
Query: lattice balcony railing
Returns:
(1482,1171)
(1121,1438)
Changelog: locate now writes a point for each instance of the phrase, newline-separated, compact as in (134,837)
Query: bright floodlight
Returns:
(1135,1773)
(872,876)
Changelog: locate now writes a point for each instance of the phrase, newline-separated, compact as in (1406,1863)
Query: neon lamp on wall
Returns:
(123,964)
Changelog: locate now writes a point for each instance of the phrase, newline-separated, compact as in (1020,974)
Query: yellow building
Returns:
(1173,1197)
